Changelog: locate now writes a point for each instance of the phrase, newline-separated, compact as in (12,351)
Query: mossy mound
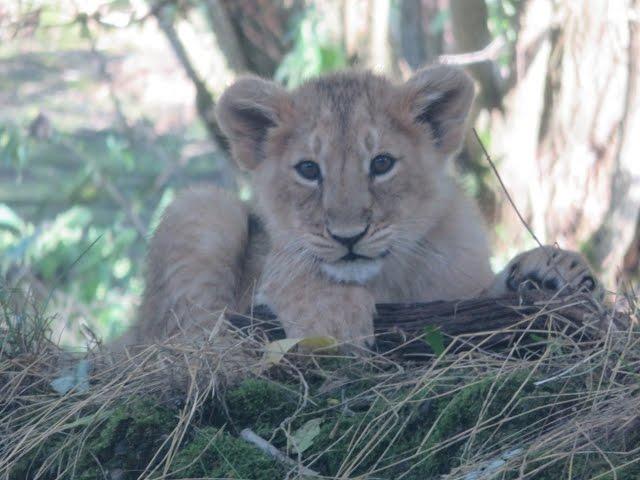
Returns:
(557,407)
(403,430)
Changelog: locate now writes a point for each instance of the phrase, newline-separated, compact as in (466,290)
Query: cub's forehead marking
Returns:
(369,143)
(370,139)
(315,144)
(340,141)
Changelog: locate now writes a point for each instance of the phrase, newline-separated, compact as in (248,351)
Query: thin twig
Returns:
(259,442)
(515,208)
(504,187)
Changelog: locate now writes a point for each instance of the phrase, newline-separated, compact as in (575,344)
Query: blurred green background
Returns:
(106,112)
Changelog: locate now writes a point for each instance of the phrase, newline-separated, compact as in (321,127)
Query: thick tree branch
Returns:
(488,320)
(205,104)
(470,30)
(260,28)
(226,36)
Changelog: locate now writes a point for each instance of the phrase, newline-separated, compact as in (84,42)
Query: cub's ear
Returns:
(439,97)
(245,113)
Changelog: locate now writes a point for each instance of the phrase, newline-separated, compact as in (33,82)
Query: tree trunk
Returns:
(413,42)
(226,36)
(568,138)
(261,27)
(617,236)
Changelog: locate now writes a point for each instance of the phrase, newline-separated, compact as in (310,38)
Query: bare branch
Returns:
(488,53)
(259,442)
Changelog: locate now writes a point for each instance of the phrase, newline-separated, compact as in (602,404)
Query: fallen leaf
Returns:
(275,351)
(434,338)
(76,378)
(318,343)
(303,437)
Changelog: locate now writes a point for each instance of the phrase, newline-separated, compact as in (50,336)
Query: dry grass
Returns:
(546,406)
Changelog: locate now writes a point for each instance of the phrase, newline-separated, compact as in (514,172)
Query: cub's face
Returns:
(349,169)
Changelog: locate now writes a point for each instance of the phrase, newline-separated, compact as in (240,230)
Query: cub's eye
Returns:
(381,164)
(308,170)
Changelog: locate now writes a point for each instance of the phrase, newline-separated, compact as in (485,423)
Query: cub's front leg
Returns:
(547,268)
(312,306)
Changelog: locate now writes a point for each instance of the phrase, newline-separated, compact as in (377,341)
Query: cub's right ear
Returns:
(245,113)
(439,97)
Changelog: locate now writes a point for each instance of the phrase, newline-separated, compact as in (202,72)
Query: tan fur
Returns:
(425,239)
(194,264)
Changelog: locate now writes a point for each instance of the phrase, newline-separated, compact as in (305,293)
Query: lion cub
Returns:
(354,204)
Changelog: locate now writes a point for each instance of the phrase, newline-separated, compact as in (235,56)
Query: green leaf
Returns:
(303,437)
(10,220)
(322,343)
(434,338)
(538,338)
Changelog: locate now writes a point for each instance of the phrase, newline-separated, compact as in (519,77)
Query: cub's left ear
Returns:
(439,97)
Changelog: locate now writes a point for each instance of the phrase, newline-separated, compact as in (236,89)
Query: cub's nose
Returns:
(349,240)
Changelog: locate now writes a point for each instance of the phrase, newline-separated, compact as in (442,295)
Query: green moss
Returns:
(422,425)
(260,404)
(398,432)
(214,453)
(127,439)
(486,403)
(583,466)
(27,466)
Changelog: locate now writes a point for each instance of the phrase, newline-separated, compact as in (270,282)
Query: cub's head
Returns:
(349,169)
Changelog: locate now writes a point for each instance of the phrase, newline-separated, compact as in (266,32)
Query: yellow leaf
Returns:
(275,351)
(318,343)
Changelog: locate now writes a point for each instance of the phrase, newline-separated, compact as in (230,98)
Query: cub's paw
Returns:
(346,318)
(352,326)
(552,269)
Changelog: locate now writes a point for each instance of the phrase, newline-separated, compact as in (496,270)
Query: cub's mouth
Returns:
(353,271)
(352,257)
(354,268)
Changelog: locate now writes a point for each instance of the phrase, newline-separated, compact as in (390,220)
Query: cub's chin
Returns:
(352,271)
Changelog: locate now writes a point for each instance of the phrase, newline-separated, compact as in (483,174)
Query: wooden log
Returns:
(491,321)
